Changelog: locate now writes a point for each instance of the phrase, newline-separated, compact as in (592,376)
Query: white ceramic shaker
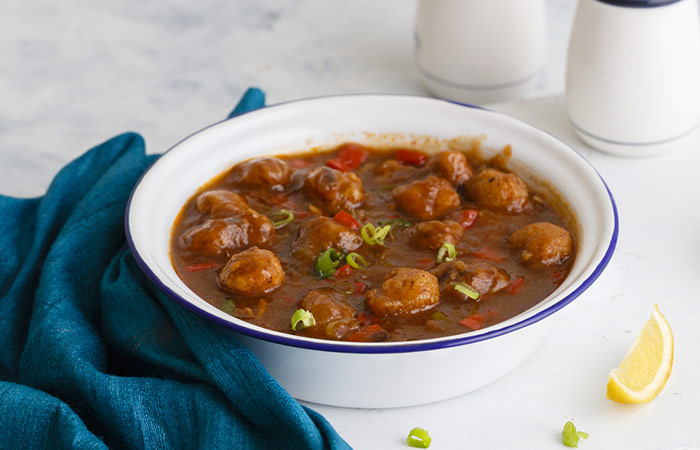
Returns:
(633,74)
(480,51)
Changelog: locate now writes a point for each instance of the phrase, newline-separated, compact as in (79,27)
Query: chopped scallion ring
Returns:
(373,235)
(419,438)
(280,218)
(344,286)
(569,435)
(380,234)
(367,233)
(446,253)
(467,290)
(327,262)
(439,315)
(302,319)
(356,261)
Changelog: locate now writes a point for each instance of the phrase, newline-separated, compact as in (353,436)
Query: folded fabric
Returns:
(92,355)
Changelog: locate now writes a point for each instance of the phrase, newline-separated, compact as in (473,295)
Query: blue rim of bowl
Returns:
(376,348)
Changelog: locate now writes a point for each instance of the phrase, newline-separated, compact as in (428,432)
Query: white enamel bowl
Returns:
(373,375)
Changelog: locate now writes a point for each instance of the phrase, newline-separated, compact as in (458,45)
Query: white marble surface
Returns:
(76,72)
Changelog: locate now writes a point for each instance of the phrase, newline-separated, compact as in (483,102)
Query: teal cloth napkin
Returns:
(93,355)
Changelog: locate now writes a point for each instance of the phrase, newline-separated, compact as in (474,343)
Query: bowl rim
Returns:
(379,347)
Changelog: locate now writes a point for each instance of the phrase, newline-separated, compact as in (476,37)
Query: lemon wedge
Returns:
(646,366)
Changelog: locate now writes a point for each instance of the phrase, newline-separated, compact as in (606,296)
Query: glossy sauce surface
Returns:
(482,240)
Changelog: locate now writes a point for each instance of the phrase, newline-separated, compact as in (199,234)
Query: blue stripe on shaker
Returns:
(639,3)
(632,143)
(475,87)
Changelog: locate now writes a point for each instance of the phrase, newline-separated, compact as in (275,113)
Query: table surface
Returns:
(75,73)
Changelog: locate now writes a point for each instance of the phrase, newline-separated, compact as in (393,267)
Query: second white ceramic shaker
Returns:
(480,51)
(633,74)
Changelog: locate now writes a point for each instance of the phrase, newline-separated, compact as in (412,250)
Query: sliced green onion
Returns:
(229,305)
(388,187)
(569,435)
(403,222)
(280,218)
(439,315)
(446,253)
(373,235)
(327,262)
(367,233)
(467,290)
(302,319)
(356,261)
(569,428)
(344,286)
(381,233)
(419,438)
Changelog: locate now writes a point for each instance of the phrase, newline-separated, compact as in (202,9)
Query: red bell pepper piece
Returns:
(349,158)
(336,164)
(344,271)
(468,217)
(475,321)
(516,285)
(411,157)
(364,318)
(360,287)
(488,254)
(202,266)
(346,219)
(370,333)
